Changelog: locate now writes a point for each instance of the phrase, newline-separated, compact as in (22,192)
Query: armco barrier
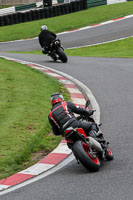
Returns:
(93,3)
(42,13)
(24,7)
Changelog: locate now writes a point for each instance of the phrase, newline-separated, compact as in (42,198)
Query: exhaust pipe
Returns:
(94,144)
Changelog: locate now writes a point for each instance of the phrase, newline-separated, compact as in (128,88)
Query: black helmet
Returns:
(55,98)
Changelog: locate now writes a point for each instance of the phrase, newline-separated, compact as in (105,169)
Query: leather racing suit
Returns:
(62,116)
(45,38)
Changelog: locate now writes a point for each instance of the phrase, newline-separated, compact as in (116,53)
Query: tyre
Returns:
(82,153)
(62,55)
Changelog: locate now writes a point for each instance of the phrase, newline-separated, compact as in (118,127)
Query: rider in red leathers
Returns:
(62,116)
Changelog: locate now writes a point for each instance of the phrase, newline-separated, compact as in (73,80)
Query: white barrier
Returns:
(39,4)
(115,1)
(54,2)
(9,10)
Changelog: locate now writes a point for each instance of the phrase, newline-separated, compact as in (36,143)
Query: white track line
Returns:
(90,45)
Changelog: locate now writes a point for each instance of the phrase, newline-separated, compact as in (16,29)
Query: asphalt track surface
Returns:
(110,80)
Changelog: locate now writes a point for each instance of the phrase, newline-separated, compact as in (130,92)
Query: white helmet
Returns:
(44,27)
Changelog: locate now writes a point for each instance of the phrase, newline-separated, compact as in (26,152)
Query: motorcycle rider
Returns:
(62,116)
(45,38)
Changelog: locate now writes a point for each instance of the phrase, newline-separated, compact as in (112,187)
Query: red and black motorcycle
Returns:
(88,151)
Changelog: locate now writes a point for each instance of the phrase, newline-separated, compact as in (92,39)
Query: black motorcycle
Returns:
(88,151)
(56,51)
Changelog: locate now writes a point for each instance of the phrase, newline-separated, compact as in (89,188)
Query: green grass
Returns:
(66,22)
(121,48)
(24,107)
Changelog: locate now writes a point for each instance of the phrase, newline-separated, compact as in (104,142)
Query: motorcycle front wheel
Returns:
(82,153)
(62,55)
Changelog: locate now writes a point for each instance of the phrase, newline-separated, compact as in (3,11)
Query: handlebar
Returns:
(92,111)
(86,117)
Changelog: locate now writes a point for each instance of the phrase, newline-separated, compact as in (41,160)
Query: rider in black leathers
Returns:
(45,38)
(62,116)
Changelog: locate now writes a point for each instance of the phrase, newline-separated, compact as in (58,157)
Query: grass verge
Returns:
(25,104)
(122,48)
(66,22)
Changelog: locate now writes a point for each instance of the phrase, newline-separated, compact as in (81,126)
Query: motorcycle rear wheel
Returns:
(82,153)
(62,55)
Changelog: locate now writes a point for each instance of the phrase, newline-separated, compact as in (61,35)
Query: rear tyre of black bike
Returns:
(62,55)
(82,153)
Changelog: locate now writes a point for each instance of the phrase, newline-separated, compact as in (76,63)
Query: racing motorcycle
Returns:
(56,51)
(88,151)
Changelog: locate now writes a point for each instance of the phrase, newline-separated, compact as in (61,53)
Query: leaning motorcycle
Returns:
(88,151)
(56,51)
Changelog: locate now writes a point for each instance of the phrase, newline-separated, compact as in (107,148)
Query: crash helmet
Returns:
(55,98)
(44,27)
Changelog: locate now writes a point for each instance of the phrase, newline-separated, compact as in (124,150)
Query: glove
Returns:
(90,112)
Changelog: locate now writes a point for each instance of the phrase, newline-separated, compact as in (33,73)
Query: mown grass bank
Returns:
(24,107)
(66,22)
(121,48)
